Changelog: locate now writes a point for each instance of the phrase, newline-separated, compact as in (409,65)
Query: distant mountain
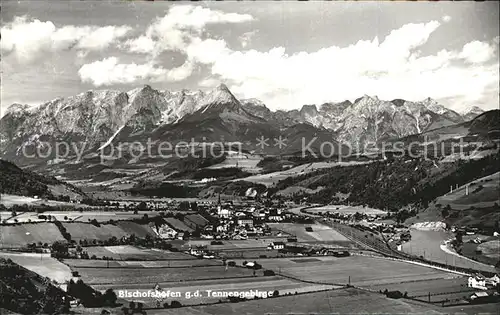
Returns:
(485,127)
(97,119)
(472,113)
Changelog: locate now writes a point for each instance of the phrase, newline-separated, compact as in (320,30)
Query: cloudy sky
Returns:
(286,54)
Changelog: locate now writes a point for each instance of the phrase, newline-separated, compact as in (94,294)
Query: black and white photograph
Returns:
(249,157)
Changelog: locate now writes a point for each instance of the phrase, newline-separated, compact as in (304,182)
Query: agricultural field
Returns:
(42,264)
(359,270)
(194,220)
(10,200)
(250,253)
(487,252)
(174,263)
(178,225)
(320,233)
(87,231)
(346,210)
(267,284)
(139,230)
(270,179)
(76,216)
(244,161)
(430,245)
(12,236)
(151,276)
(439,289)
(341,301)
(128,252)
(251,243)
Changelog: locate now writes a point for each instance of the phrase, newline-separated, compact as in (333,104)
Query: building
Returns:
(224,213)
(275,217)
(167,232)
(277,245)
(479,295)
(245,221)
(477,282)
(483,283)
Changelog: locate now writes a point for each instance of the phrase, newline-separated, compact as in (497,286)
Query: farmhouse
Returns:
(483,283)
(166,231)
(479,295)
(277,245)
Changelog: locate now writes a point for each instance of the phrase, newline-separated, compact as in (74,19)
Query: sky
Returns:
(286,54)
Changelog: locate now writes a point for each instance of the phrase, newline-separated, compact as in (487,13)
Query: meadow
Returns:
(174,263)
(42,264)
(128,252)
(12,236)
(270,179)
(320,233)
(178,225)
(129,276)
(359,270)
(342,301)
(86,231)
(342,209)
(268,284)
(76,216)
(439,289)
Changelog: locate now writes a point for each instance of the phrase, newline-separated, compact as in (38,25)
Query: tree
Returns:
(131,305)
(110,297)
(142,206)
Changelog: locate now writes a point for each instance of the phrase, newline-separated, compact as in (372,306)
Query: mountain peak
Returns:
(220,95)
(365,98)
(223,87)
(17,108)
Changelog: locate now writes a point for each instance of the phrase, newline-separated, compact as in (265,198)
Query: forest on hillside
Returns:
(392,184)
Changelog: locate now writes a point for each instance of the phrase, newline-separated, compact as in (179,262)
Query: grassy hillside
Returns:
(16,181)
(392,184)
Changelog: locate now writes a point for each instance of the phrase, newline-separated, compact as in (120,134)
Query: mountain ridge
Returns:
(97,118)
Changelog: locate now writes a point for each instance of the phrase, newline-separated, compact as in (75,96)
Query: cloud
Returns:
(391,68)
(477,52)
(29,38)
(179,27)
(446,18)
(109,71)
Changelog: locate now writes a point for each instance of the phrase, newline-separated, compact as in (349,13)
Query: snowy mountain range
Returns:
(98,118)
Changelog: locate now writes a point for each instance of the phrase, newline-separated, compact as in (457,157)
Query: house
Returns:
(493,281)
(479,295)
(276,217)
(180,235)
(277,245)
(222,228)
(165,231)
(477,282)
(245,221)
(224,213)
